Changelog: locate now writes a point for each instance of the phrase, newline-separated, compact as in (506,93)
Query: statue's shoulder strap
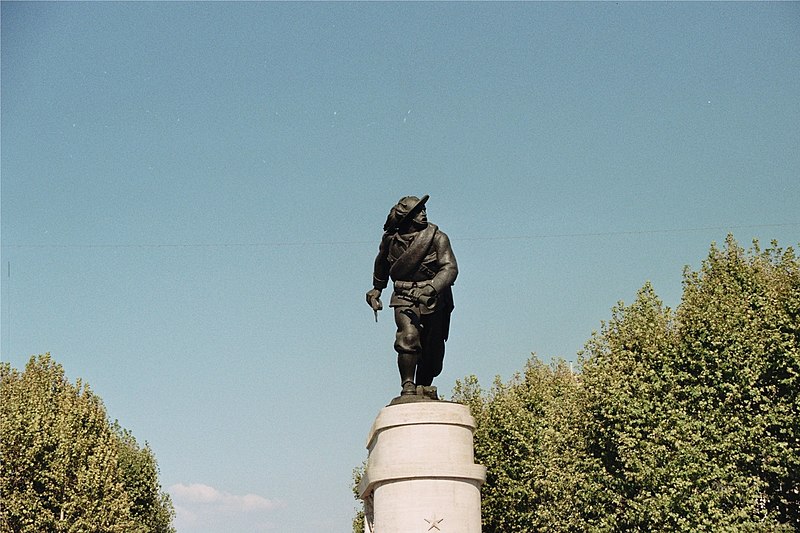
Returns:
(413,256)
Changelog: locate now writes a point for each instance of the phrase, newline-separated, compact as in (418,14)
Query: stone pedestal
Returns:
(421,475)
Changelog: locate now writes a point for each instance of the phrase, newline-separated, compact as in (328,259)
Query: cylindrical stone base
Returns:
(421,475)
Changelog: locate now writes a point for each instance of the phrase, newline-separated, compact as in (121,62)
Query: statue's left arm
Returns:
(448,268)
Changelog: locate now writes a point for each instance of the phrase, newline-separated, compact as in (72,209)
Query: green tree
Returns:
(694,414)
(64,467)
(678,421)
(358,518)
(739,347)
(151,508)
(529,435)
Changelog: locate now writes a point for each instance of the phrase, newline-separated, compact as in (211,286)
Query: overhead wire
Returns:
(353,243)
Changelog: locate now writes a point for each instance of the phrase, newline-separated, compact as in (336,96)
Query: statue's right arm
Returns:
(380,274)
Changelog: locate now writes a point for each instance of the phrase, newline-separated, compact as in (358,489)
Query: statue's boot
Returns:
(407,364)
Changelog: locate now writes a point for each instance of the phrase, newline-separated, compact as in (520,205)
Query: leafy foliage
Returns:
(738,361)
(64,467)
(359,518)
(678,421)
(151,507)
(529,436)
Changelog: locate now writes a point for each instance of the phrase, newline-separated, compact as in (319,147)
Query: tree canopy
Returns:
(65,468)
(685,420)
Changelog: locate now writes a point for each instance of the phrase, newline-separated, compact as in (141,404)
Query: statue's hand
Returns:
(428,291)
(374,299)
(425,294)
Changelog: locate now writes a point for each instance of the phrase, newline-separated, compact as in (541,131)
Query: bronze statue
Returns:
(418,258)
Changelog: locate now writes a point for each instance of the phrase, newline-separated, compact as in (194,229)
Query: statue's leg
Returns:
(432,353)
(407,344)
(407,364)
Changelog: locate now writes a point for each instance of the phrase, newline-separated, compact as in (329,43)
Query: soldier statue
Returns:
(416,255)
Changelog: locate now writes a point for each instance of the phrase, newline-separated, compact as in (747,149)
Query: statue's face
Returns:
(420,220)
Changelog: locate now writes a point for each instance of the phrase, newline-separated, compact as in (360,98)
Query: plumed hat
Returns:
(406,208)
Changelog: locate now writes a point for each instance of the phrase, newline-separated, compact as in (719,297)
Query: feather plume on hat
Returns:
(404,210)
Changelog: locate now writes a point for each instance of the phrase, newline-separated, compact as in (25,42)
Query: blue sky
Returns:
(193,195)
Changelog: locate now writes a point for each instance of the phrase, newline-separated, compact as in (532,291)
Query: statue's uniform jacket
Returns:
(423,257)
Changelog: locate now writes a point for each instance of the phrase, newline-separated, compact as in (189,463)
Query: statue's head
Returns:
(408,214)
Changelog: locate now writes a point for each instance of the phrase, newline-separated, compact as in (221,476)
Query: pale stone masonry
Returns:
(421,473)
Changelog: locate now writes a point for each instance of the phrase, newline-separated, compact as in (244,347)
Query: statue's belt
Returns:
(408,290)
(401,286)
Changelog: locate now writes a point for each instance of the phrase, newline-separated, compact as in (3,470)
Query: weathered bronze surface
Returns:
(417,257)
